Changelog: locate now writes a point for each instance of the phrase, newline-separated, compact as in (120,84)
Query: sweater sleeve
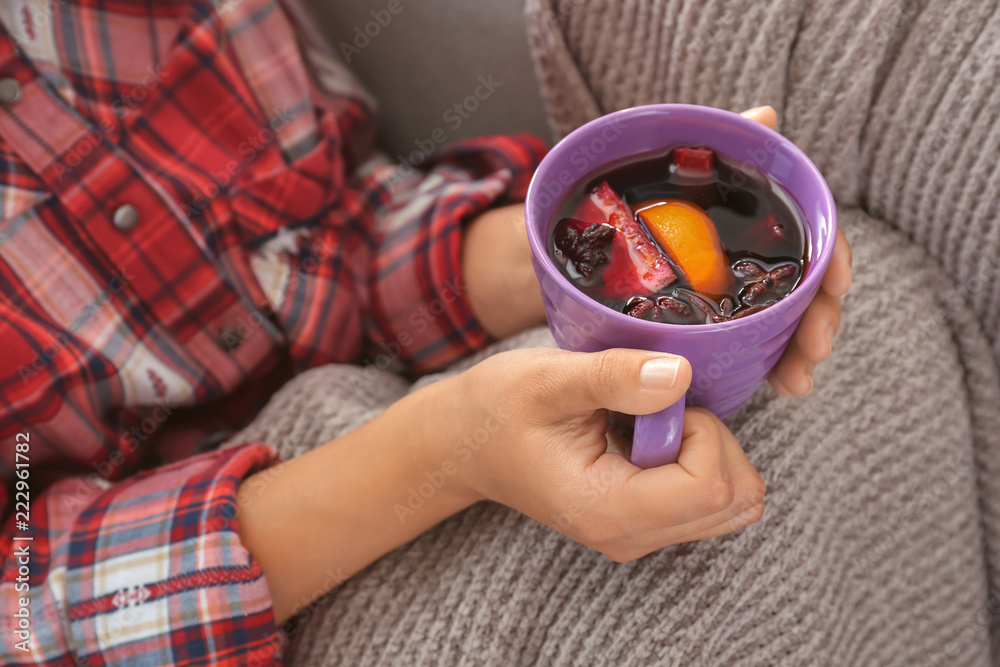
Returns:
(148,570)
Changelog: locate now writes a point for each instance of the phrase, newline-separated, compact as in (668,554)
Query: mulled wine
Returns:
(686,237)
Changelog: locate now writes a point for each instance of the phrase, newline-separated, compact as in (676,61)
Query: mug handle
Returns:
(657,439)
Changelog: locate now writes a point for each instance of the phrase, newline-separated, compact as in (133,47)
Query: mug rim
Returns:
(539,247)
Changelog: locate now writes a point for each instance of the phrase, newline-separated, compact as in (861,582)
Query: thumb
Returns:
(765,115)
(635,382)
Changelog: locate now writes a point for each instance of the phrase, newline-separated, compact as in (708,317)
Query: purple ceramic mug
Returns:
(729,360)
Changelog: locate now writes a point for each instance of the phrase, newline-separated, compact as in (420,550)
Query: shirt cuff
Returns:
(419,311)
(155,572)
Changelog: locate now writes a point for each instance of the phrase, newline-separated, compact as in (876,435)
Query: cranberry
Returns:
(642,308)
(673,305)
(583,244)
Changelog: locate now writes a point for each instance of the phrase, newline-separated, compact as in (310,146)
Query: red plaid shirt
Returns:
(191,213)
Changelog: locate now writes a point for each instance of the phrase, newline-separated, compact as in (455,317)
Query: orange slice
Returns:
(690,238)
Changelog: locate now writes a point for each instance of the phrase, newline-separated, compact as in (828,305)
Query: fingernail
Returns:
(809,376)
(754,111)
(830,333)
(660,374)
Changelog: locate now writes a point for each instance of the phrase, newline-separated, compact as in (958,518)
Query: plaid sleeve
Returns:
(418,309)
(146,571)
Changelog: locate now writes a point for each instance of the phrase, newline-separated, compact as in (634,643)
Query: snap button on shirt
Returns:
(10,90)
(125,217)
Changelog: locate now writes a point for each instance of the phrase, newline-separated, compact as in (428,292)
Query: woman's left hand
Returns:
(812,342)
(497,273)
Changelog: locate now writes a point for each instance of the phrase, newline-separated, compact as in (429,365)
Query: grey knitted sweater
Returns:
(881,540)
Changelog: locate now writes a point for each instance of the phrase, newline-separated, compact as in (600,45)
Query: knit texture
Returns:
(870,552)
(894,100)
(881,540)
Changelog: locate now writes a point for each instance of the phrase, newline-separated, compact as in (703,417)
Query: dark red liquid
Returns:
(759,227)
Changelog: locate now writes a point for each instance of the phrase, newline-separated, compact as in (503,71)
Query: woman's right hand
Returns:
(530,430)
(526,428)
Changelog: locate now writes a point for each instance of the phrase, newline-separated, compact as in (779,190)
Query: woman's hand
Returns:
(531,432)
(527,428)
(813,340)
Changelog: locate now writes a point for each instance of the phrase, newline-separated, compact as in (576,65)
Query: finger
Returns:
(747,517)
(792,375)
(748,486)
(837,279)
(765,115)
(636,382)
(703,453)
(702,456)
(818,326)
(653,516)
(712,472)
(725,525)
(643,546)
